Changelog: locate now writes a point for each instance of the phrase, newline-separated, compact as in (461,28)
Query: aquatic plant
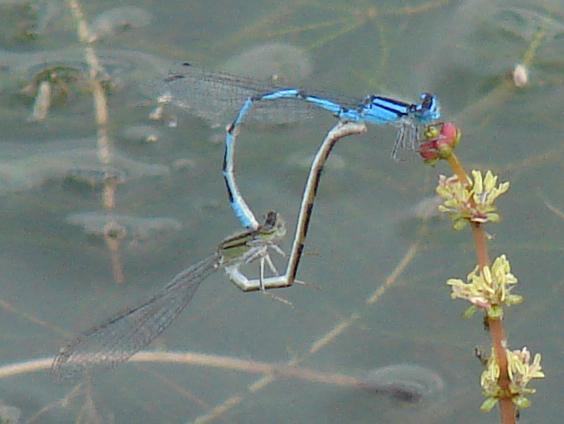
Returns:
(471,201)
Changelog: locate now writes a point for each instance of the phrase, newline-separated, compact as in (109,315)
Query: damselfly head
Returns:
(429,109)
(274,226)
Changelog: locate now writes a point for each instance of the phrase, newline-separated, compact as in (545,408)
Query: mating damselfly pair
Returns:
(115,340)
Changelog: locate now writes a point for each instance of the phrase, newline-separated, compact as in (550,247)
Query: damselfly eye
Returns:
(271,219)
(427,101)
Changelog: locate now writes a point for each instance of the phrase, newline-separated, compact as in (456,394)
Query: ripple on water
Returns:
(133,228)
(28,167)
(40,14)
(121,67)
(277,62)
(9,414)
(141,133)
(406,382)
(118,19)
(491,36)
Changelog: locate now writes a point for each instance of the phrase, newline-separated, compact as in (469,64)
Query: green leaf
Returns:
(469,313)
(488,404)
(521,402)
(495,312)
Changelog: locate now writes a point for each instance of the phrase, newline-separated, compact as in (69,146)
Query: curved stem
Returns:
(339,131)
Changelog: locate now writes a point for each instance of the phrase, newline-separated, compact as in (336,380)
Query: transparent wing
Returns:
(217,97)
(117,339)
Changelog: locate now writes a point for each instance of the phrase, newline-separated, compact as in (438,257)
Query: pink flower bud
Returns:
(440,140)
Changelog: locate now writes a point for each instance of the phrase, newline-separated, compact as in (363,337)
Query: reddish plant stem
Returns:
(458,169)
(495,326)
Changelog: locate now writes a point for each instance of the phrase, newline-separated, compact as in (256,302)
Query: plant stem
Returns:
(495,326)
(458,169)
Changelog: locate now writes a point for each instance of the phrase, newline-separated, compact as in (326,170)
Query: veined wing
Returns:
(118,338)
(217,97)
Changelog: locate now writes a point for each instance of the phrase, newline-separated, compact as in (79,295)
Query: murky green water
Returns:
(171,206)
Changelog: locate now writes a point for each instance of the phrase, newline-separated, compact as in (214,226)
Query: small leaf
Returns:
(495,312)
(469,313)
(521,402)
(488,404)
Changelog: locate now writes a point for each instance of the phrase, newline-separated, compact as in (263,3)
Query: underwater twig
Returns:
(234,364)
(103,139)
